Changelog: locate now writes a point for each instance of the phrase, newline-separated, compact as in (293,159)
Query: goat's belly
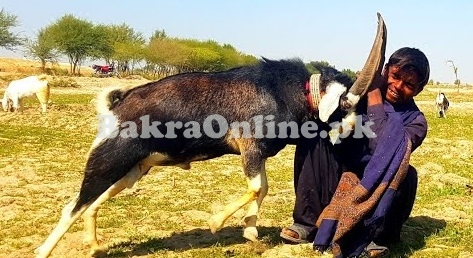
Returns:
(156,159)
(160,159)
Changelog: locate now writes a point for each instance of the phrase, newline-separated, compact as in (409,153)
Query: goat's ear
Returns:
(330,101)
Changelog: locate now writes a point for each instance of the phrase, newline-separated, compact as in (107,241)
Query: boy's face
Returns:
(402,84)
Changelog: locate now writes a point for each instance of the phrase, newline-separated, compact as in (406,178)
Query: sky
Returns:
(339,32)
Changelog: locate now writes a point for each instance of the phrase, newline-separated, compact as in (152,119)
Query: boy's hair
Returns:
(412,59)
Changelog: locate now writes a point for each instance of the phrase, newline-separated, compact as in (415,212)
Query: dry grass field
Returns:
(164,215)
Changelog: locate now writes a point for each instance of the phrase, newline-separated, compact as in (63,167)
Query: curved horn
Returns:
(372,67)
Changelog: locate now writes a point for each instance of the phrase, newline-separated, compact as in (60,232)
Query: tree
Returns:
(126,46)
(312,64)
(128,54)
(455,71)
(169,55)
(233,58)
(42,48)
(77,39)
(350,73)
(151,67)
(8,39)
(104,48)
(204,55)
(158,34)
(194,55)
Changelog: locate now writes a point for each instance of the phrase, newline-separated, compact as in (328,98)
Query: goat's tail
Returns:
(109,98)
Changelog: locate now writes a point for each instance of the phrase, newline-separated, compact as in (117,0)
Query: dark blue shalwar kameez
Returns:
(318,166)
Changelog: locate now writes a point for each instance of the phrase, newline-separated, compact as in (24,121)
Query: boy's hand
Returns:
(379,82)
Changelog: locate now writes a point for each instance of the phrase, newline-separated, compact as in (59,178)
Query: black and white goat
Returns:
(442,104)
(275,89)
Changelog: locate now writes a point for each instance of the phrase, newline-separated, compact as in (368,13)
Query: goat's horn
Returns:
(372,67)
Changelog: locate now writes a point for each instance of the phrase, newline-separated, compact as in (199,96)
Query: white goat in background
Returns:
(441,104)
(21,88)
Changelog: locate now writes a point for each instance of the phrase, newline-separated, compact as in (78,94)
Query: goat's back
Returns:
(27,86)
(270,88)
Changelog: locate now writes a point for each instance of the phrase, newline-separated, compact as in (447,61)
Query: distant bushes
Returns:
(58,82)
(56,71)
(63,83)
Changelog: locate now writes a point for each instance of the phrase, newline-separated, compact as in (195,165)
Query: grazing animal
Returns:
(442,104)
(17,90)
(160,124)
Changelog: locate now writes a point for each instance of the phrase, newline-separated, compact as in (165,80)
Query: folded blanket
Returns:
(360,205)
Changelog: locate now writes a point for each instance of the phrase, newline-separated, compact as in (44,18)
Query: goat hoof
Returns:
(98,253)
(215,223)
(39,253)
(250,233)
(249,221)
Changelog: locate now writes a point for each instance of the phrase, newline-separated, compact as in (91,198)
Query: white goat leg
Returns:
(61,228)
(250,231)
(16,104)
(217,221)
(90,215)
(67,220)
(43,97)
